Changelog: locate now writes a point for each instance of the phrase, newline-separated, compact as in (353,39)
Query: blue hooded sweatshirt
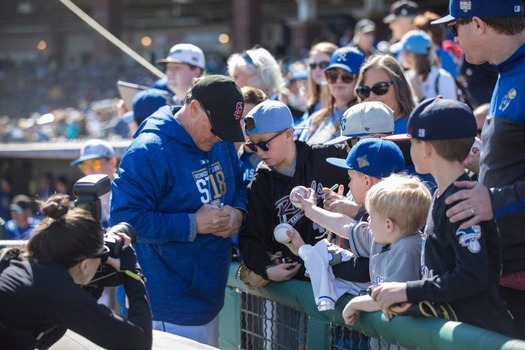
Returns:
(163,179)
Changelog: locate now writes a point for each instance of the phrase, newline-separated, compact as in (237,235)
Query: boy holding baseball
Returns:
(460,267)
(397,210)
(285,164)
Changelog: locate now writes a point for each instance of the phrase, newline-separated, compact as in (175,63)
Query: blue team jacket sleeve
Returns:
(135,194)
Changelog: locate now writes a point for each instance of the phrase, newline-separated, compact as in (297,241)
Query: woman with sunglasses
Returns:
(319,59)
(341,75)
(381,78)
(41,294)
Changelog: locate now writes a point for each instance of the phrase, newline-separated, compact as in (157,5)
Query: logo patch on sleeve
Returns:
(470,238)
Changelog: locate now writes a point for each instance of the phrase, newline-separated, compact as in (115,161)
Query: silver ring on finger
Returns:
(472,210)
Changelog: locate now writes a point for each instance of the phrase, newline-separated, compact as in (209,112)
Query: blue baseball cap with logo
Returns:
(415,41)
(441,119)
(268,116)
(373,157)
(348,58)
(481,9)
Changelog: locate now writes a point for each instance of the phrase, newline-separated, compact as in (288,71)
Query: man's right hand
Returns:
(211,218)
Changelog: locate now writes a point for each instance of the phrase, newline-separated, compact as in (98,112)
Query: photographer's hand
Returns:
(115,263)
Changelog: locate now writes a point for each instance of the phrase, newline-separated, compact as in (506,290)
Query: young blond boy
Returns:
(460,267)
(368,162)
(397,209)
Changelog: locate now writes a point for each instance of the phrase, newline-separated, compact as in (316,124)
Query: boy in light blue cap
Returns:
(285,164)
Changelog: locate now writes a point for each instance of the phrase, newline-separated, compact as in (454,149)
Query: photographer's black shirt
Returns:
(39,302)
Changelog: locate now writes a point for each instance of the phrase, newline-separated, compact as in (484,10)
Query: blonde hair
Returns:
(401,198)
(313,91)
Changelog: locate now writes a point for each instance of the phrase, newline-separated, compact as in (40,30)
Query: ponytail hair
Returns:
(66,236)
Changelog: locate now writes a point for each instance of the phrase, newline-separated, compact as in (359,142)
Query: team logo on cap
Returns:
(507,99)
(470,238)
(238,110)
(465,5)
(342,55)
(362,162)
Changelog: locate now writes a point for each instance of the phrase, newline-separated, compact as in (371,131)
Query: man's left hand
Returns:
(234,223)
(473,203)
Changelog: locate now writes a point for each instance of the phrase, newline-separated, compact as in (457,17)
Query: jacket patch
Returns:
(470,238)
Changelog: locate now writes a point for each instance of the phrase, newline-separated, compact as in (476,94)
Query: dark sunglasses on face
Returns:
(331,77)
(321,65)
(103,256)
(380,89)
(263,145)
(453,26)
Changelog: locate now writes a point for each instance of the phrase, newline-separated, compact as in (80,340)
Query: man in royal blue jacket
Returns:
(180,185)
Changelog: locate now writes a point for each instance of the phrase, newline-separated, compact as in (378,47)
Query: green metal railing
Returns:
(409,332)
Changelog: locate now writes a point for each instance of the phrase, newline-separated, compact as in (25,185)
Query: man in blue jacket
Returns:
(494,32)
(180,185)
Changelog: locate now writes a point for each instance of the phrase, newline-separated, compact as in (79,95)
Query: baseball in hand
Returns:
(293,195)
(279,232)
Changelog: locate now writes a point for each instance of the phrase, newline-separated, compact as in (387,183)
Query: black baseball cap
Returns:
(222,98)
(441,119)
(401,8)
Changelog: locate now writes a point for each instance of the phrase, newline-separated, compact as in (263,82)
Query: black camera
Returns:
(88,191)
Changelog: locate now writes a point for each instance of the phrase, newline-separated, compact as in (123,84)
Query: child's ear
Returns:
(427,148)
(390,225)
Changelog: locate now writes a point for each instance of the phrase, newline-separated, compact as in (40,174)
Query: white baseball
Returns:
(293,195)
(279,232)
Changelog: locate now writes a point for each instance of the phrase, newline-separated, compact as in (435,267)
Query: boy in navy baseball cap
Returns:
(460,267)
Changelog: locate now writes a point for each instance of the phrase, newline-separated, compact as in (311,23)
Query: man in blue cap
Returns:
(494,32)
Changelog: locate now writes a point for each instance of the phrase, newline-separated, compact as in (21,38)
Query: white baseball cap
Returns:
(365,118)
(186,53)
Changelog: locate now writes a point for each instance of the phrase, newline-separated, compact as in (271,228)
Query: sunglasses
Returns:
(263,145)
(91,164)
(332,76)
(208,114)
(103,256)
(380,89)
(321,65)
(453,26)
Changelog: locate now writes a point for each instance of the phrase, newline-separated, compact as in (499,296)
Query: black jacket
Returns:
(39,302)
(269,204)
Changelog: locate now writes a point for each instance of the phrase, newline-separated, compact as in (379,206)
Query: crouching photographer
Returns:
(41,293)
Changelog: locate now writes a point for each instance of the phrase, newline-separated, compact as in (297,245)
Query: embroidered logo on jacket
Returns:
(507,99)
(470,238)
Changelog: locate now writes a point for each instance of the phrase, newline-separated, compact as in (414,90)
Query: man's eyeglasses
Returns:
(91,164)
(380,89)
(263,145)
(453,26)
(321,65)
(208,114)
(332,76)
(103,256)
